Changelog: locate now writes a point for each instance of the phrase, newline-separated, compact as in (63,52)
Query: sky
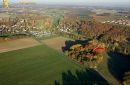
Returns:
(76,2)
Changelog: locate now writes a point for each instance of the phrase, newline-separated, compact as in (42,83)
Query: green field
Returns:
(40,65)
(13,15)
(76,34)
(84,13)
(57,17)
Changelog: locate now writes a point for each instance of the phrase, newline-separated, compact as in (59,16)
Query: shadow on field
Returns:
(81,78)
(118,64)
(128,39)
(69,43)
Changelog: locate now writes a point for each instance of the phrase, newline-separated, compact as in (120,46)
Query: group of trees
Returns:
(91,28)
(104,14)
(84,55)
(42,21)
(25,22)
(13,37)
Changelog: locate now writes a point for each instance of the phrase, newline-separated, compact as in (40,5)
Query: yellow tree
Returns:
(73,56)
(99,57)
(116,44)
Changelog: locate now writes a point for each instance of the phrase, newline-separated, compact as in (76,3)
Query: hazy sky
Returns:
(75,1)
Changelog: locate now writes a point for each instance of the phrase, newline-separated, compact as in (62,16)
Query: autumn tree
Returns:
(126,78)
(99,57)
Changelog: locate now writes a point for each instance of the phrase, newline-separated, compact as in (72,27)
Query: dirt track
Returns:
(17,44)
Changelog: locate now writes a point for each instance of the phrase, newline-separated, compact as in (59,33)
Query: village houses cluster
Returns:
(121,22)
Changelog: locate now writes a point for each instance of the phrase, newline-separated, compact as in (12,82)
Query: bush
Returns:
(1,39)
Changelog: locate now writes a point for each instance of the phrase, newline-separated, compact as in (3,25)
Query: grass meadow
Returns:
(39,65)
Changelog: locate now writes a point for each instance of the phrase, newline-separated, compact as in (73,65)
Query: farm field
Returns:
(104,18)
(39,65)
(59,42)
(100,11)
(4,15)
(17,44)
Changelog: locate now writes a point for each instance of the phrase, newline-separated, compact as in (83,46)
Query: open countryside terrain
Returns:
(40,65)
(17,44)
(28,61)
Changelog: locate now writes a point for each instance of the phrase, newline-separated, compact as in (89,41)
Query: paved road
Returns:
(91,70)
